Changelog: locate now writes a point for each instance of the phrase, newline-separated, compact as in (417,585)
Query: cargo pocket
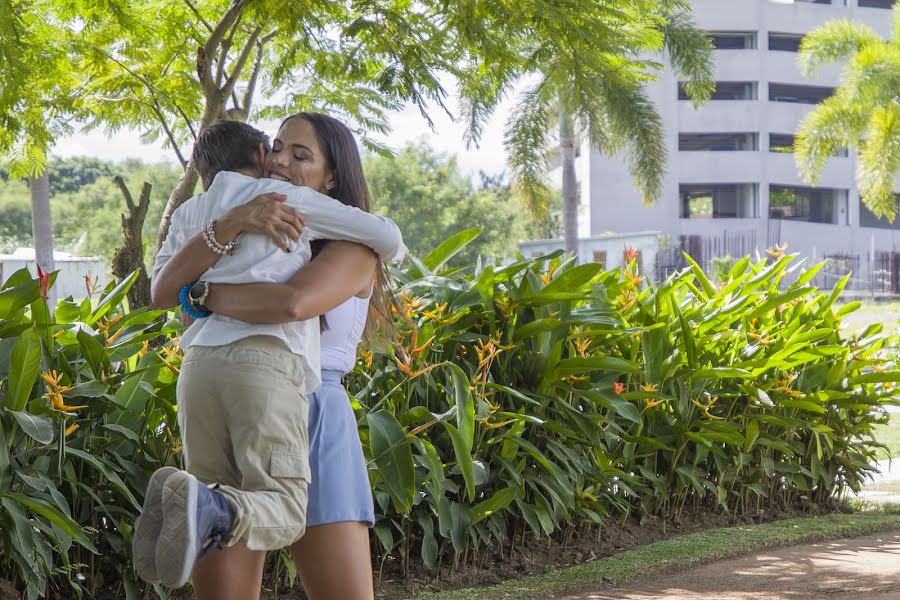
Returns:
(289,464)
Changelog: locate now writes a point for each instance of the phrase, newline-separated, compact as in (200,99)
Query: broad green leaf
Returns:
(571,280)
(486,508)
(108,471)
(465,406)
(39,427)
(393,456)
(25,363)
(463,455)
(50,513)
(449,248)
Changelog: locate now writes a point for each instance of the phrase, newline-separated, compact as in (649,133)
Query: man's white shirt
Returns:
(258,260)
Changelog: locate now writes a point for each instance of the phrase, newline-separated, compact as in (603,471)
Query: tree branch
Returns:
(254,72)
(241,61)
(120,183)
(187,121)
(198,15)
(204,53)
(162,121)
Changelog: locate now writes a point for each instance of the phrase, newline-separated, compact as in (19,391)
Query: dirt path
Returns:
(865,568)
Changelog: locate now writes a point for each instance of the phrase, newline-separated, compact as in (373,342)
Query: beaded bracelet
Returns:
(209,236)
(188,307)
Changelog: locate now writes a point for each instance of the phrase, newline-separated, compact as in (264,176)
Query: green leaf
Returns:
(570,366)
(465,405)
(50,513)
(25,363)
(93,352)
(393,456)
(113,298)
(18,296)
(108,472)
(39,427)
(463,457)
(487,507)
(571,280)
(450,247)
(429,543)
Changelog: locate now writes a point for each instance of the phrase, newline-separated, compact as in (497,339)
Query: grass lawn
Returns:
(679,552)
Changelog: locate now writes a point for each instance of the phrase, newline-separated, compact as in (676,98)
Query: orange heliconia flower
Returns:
(618,388)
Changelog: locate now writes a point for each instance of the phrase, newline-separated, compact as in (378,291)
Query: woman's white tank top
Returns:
(346,323)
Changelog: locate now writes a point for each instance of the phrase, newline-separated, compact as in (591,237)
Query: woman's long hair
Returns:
(342,157)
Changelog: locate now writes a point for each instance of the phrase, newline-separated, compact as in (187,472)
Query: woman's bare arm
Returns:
(340,271)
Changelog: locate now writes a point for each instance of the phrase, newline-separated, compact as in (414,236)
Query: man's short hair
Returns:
(226,146)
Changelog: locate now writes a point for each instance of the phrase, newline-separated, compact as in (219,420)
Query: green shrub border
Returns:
(680,552)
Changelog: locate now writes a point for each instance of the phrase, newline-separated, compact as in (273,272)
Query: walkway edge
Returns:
(679,552)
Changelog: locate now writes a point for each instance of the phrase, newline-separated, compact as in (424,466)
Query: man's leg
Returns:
(234,573)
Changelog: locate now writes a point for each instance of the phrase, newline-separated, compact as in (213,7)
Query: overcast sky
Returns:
(408,126)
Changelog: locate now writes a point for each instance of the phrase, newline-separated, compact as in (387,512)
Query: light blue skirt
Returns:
(339,490)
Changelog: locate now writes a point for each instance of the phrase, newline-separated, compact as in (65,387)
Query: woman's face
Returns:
(297,158)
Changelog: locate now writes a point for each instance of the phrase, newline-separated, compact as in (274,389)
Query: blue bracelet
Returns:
(186,305)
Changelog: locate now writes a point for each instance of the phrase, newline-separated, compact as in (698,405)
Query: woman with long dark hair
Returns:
(345,282)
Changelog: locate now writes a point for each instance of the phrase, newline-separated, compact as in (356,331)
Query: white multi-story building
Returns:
(732,187)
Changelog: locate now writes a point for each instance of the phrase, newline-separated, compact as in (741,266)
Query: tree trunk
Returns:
(130,256)
(42,228)
(569,185)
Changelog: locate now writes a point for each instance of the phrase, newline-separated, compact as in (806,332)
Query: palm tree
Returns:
(41,227)
(599,95)
(864,112)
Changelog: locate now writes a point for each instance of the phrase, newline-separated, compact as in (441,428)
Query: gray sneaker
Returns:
(196,521)
(148,526)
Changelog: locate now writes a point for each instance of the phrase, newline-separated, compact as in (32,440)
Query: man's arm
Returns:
(340,271)
(331,219)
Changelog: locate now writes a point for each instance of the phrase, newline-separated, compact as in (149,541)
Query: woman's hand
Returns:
(266,214)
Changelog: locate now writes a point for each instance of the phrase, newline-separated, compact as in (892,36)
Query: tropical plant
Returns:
(542,397)
(864,112)
(86,414)
(590,86)
(535,398)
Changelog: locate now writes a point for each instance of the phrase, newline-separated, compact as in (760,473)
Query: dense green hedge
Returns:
(533,397)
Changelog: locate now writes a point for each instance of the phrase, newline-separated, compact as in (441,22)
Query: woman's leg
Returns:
(234,573)
(334,561)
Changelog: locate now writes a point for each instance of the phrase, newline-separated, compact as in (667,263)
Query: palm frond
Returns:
(879,162)
(480,92)
(834,124)
(832,42)
(528,148)
(872,76)
(690,52)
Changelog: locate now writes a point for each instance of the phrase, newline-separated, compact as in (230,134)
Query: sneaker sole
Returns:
(176,550)
(148,526)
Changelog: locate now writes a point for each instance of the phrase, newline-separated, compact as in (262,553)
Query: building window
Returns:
(733,40)
(718,200)
(718,142)
(868,219)
(814,205)
(801,94)
(600,258)
(784,143)
(785,42)
(727,90)
(877,3)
